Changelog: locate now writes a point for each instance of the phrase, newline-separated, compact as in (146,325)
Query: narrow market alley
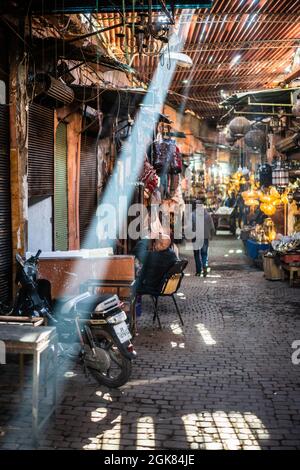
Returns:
(223,381)
(149,230)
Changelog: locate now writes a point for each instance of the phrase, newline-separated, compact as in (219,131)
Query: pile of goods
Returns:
(289,248)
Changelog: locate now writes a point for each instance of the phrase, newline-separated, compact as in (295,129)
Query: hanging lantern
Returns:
(239,126)
(269,229)
(252,194)
(280,176)
(285,199)
(277,202)
(230,139)
(265,199)
(274,193)
(251,202)
(268,209)
(256,139)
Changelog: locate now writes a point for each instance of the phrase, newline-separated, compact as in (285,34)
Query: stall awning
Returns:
(263,98)
(53,49)
(116,101)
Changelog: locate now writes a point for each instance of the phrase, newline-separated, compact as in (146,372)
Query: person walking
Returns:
(204,230)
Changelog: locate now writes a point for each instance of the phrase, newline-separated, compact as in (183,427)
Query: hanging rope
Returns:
(192,99)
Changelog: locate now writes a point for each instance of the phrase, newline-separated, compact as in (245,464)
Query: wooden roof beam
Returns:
(243,45)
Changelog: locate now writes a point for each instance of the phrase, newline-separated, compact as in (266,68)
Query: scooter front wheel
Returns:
(119,369)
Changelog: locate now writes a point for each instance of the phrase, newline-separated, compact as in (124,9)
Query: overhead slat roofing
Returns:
(265,33)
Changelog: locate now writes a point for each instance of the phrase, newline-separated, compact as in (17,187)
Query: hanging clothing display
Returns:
(149,177)
(167,157)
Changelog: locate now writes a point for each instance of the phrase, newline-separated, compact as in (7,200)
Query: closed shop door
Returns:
(61,189)
(40,178)
(88,191)
(5,211)
(40,151)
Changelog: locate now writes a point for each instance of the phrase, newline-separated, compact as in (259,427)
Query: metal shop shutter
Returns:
(88,185)
(5,211)
(61,189)
(40,151)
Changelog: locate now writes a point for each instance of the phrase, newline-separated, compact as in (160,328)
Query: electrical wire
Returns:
(171,92)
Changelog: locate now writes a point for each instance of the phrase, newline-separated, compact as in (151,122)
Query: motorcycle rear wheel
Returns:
(120,374)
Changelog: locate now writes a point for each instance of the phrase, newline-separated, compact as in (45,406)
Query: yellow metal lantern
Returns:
(265,199)
(251,202)
(272,235)
(284,199)
(251,194)
(268,209)
(277,202)
(274,193)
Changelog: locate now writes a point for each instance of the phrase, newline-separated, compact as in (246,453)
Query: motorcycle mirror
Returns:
(38,254)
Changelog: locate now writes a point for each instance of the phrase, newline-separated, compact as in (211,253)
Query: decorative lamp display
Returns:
(268,209)
(274,193)
(239,126)
(251,194)
(256,139)
(230,139)
(251,202)
(280,176)
(265,198)
(269,229)
(285,199)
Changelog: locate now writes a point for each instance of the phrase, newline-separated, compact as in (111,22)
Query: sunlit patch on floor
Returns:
(145,433)
(229,431)
(177,345)
(205,334)
(176,329)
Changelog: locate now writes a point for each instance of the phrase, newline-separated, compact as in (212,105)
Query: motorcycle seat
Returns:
(84,303)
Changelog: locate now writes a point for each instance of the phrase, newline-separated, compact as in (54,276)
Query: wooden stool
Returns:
(292,269)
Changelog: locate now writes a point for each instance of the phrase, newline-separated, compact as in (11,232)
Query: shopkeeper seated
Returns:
(154,264)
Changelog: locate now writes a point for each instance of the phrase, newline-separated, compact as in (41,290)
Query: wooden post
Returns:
(18,105)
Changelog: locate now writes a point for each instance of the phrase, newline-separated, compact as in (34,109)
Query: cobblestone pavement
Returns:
(223,381)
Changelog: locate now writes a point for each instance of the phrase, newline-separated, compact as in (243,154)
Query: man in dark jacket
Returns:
(155,263)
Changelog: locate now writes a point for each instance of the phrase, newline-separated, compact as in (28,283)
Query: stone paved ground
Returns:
(223,381)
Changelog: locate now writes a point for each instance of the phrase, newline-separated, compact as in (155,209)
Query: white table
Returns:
(23,339)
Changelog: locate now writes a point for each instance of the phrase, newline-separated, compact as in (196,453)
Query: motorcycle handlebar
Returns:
(20,259)
(33,259)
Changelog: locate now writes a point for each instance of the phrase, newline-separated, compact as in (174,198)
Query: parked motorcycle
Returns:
(97,322)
